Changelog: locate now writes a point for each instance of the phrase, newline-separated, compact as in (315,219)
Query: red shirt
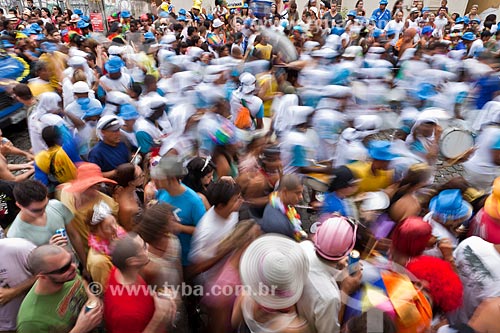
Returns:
(127,308)
(486,227)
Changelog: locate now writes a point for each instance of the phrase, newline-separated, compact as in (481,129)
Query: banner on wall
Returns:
(97,22)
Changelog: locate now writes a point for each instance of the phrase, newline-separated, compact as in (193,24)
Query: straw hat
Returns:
(278,263)
(88,175)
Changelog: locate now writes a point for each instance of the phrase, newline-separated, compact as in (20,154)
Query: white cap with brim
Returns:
(280,264)
(76,61)
(217,23)
(108,123)
(117,97)
(168,39)
(375,201)
(81,87)
(115,50)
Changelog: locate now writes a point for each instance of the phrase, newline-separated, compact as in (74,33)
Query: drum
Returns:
(317,181)
(455,142)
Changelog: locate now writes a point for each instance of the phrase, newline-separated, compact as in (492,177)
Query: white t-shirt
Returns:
(13,272)
(412,24)
(253,103)
(441,23)
(210,231)
(320,301)
(122,84)
(396,26)
(476,46)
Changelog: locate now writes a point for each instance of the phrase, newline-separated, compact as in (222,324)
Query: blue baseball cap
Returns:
(377,33)
(49,47)
(82,24)
(149,35)
(426,9)
(86,18)
(163,14)
(466,20)
(391,32)
(352,13)
(92,112)
(181,18)
(338,31)
(476,20)
(245,5)
(427,29)
(182,11)
(383,2)
(380,150)
(459,20)
(426,91)
(78,12)
(469,36)
(298,28)
(29,31)
(210,17)
(125,14)
(36,27)
(128,112)
(114,64)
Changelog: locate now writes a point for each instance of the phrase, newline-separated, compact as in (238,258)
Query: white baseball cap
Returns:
(217,23)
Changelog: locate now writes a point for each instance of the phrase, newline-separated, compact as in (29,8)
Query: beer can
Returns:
(62,232)
(90,305)
(354,262)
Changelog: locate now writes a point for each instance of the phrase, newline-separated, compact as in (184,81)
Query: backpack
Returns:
(244,117)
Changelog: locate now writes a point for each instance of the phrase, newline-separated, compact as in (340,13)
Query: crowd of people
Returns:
(285,163)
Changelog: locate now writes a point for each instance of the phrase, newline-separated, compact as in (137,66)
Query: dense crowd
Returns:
(252,169)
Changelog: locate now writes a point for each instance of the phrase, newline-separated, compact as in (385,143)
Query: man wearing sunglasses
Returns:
(57,300)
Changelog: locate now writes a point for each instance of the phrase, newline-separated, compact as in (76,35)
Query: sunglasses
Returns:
(61,270)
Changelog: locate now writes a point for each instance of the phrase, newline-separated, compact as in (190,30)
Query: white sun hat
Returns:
(280,264)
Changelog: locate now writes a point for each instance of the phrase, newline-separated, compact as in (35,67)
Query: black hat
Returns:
(342,177)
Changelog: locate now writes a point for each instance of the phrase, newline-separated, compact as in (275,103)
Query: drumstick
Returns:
(135,155)
(459,157)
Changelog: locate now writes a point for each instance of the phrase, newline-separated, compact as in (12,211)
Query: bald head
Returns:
(37,258)
(289,182)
